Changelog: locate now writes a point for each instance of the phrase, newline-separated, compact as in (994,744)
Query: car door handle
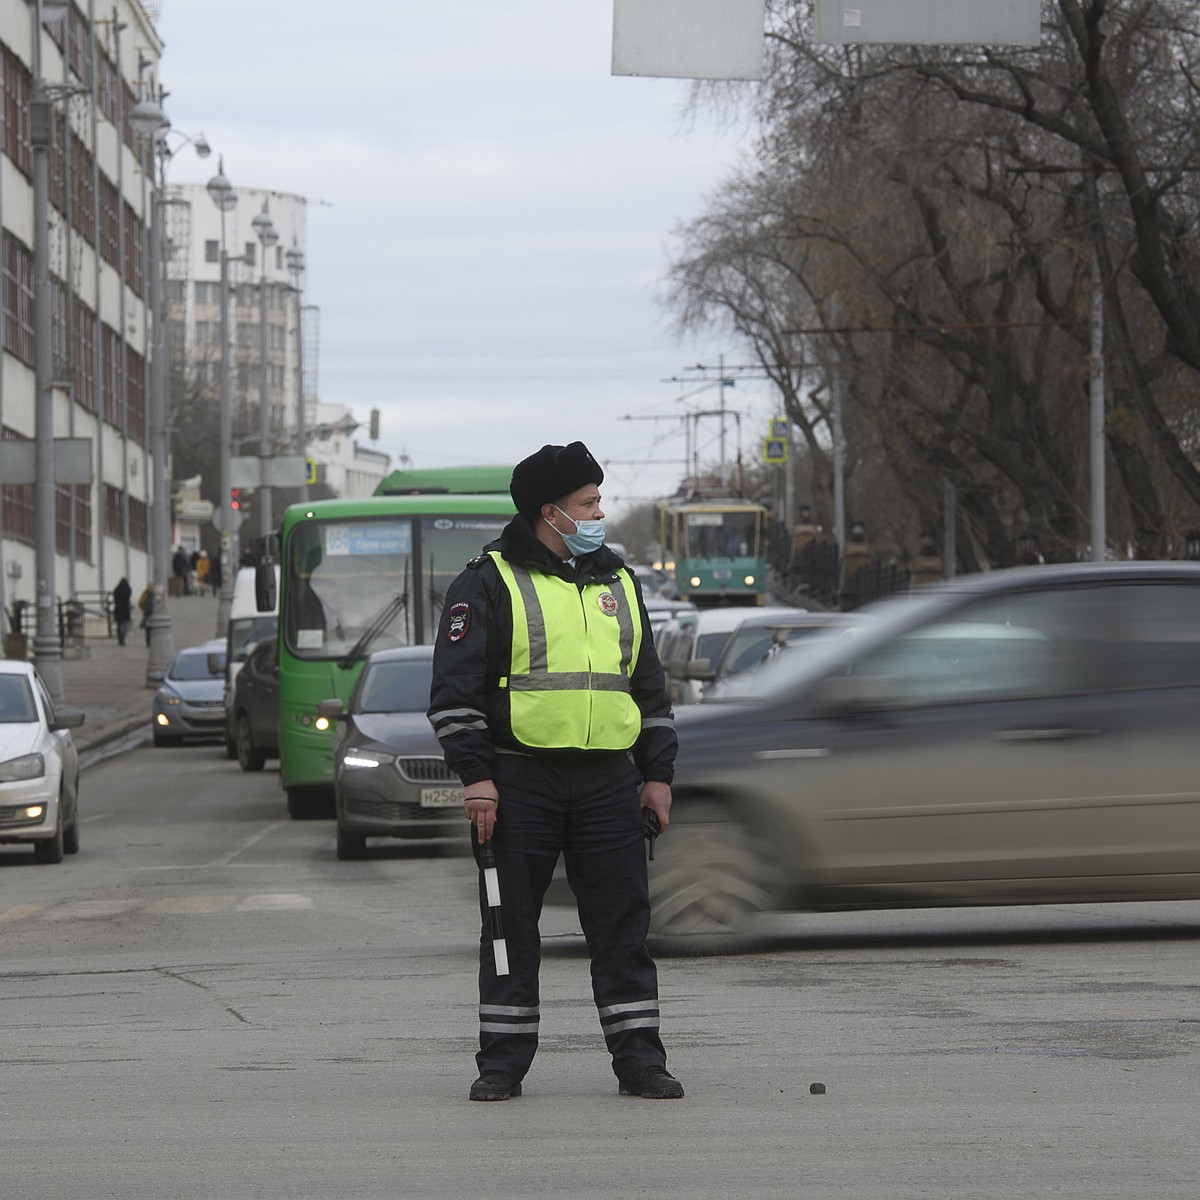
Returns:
(1065,734)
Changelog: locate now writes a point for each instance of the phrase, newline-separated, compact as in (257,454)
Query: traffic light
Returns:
(234,501)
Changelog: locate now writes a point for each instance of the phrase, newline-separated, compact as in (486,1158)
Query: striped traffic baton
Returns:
(491,882)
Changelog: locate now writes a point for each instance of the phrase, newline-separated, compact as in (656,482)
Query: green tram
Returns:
(715,550)
(363,575)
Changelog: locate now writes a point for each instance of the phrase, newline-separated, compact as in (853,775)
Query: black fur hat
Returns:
(550,474)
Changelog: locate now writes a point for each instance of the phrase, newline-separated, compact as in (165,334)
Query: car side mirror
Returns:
(701,669)
(331,709)
(67,718)
(216,664)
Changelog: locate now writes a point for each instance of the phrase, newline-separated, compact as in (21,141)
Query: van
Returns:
(247,627)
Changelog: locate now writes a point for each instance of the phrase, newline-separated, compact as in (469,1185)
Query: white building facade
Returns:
(94,64)
(197,232)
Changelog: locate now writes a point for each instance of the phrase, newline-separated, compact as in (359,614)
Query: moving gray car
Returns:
(1021,737)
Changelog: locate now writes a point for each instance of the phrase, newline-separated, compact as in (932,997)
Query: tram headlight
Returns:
(695,581)
(749,581)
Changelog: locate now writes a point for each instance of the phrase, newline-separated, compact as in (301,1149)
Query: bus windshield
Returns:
(340,576)
(343,575)
(722,534)
(447,545)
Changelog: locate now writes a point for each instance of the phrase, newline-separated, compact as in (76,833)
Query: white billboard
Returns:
(689,39)
(929,22)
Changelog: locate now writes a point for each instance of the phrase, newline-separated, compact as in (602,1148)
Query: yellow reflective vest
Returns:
(573,651)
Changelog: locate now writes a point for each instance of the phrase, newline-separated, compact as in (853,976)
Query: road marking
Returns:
(275,902)
(20,911)
(191,904)
(226,859)
(230,855)
(87,910)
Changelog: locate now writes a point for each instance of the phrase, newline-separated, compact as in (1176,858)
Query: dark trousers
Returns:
(591,813)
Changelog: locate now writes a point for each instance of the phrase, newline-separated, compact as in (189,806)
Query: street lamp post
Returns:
(47,649)
(149,119)
(264,227)
(225,517)
(295,264)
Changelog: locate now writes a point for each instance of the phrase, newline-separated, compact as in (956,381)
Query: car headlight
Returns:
(362,760)
(28,766)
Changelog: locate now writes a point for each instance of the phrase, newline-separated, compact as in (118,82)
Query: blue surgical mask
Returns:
(588,535)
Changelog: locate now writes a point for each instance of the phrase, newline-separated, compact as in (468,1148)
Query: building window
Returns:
(18,300)
(110,223)
(212,252)
(203,333)
(201,292)
(251,251)
(18,84)
(79,498)
(176,291)
(18,504)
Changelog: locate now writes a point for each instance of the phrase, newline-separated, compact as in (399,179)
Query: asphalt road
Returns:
(206,1003)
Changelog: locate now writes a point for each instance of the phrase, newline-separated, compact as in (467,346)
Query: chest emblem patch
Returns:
(608,604)
(458,621)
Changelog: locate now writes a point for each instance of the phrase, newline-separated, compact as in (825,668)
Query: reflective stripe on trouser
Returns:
(591,813)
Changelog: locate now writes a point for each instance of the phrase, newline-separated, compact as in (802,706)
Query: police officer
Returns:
(549,702)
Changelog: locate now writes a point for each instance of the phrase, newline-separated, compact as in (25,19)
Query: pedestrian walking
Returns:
(146,604)
(202,566)
(550,704)
(122,597)
(181,568)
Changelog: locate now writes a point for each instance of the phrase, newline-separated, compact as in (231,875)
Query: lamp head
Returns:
(149,119)
(221,190)
(264,227)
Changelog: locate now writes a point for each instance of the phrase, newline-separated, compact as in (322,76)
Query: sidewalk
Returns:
(109,682)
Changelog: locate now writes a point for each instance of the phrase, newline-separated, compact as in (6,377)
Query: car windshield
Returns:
(191,666)
(391,687)
(783,672)
(16,701)
(246,631)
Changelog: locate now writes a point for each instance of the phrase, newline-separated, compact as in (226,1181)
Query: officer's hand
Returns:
(658,797)
(483,800)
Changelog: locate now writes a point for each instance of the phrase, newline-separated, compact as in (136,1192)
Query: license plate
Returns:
(441,797)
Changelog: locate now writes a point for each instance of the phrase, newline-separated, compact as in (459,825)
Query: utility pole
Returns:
(47,649)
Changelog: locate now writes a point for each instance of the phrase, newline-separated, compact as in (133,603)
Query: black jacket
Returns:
(472,652)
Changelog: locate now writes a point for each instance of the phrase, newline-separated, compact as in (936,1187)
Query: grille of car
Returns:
(362,804)
(203,710)
(426,770)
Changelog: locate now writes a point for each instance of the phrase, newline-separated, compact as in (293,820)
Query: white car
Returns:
(39,766)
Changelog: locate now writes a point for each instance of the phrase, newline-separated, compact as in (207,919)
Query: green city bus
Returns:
(364,575)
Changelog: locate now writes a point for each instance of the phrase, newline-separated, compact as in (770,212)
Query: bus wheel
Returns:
(309,803)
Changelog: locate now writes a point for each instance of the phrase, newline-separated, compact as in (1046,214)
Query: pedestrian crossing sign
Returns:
(774,450)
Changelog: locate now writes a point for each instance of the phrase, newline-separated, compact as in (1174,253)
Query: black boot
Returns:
(652,1083)
(494,1085)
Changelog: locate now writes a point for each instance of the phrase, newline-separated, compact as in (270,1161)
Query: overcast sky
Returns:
(489,216)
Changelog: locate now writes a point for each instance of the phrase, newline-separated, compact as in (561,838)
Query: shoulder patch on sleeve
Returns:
(458,621)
